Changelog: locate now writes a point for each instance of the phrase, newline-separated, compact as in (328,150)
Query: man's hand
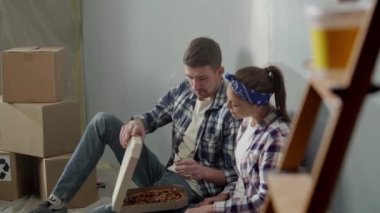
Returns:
(189,169)
(132,128)
(211,200)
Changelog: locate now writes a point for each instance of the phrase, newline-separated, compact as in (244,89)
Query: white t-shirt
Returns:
(243,144)
(187,148)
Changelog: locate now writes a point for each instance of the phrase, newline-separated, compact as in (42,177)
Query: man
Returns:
(203,133)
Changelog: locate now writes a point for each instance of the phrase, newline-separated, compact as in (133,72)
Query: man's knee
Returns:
(104,120)
(103,117)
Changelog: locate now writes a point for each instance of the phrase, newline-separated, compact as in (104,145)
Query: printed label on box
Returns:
(5,168)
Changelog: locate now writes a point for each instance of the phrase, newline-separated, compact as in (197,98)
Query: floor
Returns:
(105,173)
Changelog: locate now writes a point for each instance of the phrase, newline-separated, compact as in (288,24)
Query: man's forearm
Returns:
(214,176)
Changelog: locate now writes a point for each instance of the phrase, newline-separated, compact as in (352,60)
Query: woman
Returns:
(260,139)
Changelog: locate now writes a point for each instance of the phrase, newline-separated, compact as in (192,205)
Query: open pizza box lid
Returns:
(122,192)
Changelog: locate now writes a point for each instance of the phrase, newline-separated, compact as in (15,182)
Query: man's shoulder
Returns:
(183,86)
(181,93)
(184,83)
(224,113)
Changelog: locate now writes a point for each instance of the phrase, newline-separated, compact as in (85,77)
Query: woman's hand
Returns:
(211,200)
(203,209)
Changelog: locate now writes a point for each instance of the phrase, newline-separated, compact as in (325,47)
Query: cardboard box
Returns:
(122,194)
(50,169)
(40,130)
(34,74)
(16,175)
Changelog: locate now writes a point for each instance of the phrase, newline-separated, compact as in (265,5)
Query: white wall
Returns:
(133,50)
(133,54)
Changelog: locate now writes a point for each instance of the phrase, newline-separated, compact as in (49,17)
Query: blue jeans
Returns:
(104,130)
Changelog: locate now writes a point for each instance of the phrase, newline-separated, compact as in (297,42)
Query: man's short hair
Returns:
(201,52)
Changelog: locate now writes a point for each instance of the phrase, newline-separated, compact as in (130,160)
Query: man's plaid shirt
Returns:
(216,136)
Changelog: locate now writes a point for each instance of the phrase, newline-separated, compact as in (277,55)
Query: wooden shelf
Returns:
(292,191)
(335,79)
(343,92)
(329,84)
(323,86)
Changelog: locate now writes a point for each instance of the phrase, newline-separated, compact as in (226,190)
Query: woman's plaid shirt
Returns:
(261,157)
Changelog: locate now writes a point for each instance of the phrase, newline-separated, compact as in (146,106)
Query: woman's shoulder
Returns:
(279,126)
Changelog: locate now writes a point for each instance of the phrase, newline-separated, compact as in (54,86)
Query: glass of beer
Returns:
(334,29)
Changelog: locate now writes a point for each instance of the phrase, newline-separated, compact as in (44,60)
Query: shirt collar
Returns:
(220,97)
(269,118)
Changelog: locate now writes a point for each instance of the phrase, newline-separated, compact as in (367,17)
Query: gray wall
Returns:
(133,51)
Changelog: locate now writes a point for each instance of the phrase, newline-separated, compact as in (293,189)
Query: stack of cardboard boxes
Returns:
(38,129)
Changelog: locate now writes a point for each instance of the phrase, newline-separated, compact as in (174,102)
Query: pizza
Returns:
(155,196)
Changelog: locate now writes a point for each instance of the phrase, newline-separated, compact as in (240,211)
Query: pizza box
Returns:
(123,196)
(175,193)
